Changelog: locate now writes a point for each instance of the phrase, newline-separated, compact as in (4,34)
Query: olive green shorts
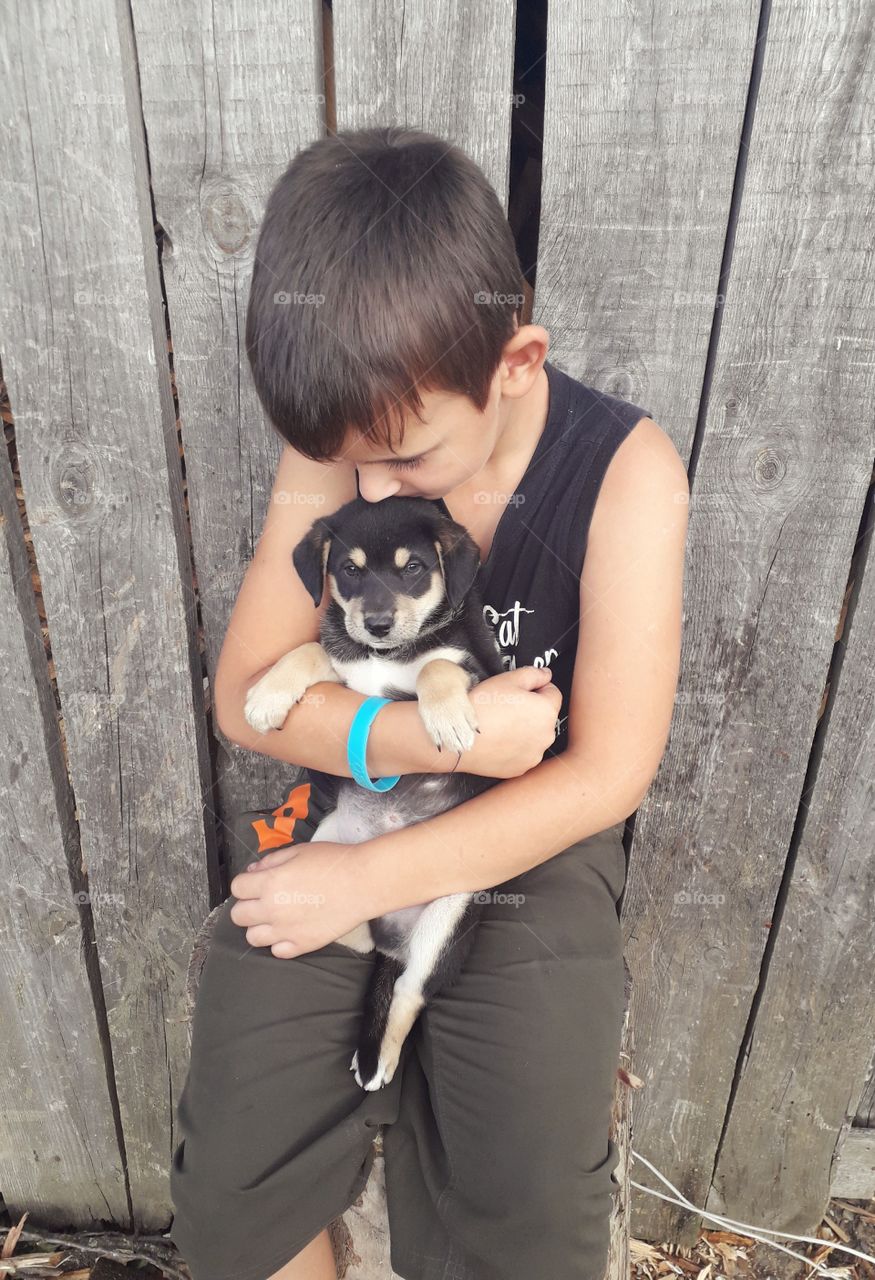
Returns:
(498,1160)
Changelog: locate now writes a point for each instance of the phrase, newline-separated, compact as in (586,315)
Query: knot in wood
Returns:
(74,480)
(226,218)
(770,468)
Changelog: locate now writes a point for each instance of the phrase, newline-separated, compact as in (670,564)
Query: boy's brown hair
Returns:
(385,267)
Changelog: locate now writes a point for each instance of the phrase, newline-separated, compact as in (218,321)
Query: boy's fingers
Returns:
(275,858)
(531,678)
(550,691)
(243,887)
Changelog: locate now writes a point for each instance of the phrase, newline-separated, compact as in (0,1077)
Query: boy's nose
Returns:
(374,489)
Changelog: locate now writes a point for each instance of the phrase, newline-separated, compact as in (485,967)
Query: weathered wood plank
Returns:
(636,194)
(637,183)
(58,1146)
(779,488)
(865,1116)
(806,1065)
(619,1255)
(229,94)
(82,319)
(412,64)
(855,1172)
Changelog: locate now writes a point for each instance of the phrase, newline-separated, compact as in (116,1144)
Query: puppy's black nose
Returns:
(379,624)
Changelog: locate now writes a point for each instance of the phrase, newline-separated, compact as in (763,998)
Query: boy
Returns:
(387,292)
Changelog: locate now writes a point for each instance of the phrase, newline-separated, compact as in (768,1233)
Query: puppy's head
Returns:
(391,566)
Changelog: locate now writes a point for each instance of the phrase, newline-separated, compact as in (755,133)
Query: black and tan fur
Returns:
(404,621)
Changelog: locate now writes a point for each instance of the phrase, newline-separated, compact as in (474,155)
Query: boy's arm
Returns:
(625,678)
(397,740)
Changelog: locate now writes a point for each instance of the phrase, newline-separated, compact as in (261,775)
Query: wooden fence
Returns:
(695,188)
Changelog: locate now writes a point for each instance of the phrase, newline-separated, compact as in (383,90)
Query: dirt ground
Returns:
(716,1255)
(723,1254)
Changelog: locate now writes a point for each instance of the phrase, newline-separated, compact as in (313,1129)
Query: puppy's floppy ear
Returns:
(310,558)
(459,559)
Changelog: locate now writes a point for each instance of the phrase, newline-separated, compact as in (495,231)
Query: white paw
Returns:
(450,724)
(272,697)
(383,1075)
(265,707)
(359,939)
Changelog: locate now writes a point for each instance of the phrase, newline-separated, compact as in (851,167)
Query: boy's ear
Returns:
(459,559)
(310,558)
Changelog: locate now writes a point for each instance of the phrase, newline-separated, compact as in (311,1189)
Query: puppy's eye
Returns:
(413,566)
(351,570)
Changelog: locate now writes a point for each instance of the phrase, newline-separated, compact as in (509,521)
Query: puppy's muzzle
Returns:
(378,624)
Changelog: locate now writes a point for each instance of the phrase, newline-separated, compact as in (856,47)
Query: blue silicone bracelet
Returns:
(357,742)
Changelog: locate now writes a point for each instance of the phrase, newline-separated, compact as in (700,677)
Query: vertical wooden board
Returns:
(85,356)
(807,1062)
(853,1176)
(643,115)
(865,1116)
(58,1147)
(445,68)
(778,493)
(230,93)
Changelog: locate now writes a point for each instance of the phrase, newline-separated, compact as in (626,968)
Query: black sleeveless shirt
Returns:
(530,581)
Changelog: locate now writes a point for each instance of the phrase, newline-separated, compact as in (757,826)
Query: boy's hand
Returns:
(516,712)
(299,899)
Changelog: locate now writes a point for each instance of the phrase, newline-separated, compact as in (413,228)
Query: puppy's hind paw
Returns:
(374,1077)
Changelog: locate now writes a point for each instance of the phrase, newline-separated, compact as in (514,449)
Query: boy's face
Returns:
(450,445)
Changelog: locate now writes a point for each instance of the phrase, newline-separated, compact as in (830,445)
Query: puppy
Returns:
(404,621)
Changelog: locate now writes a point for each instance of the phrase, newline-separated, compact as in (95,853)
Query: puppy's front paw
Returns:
(450,723)
(266,707)
(272,697)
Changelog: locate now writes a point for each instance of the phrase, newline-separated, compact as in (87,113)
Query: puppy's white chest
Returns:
(372,675)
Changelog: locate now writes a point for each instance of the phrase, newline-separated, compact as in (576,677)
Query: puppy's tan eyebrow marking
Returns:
(402,555)
(357,556)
